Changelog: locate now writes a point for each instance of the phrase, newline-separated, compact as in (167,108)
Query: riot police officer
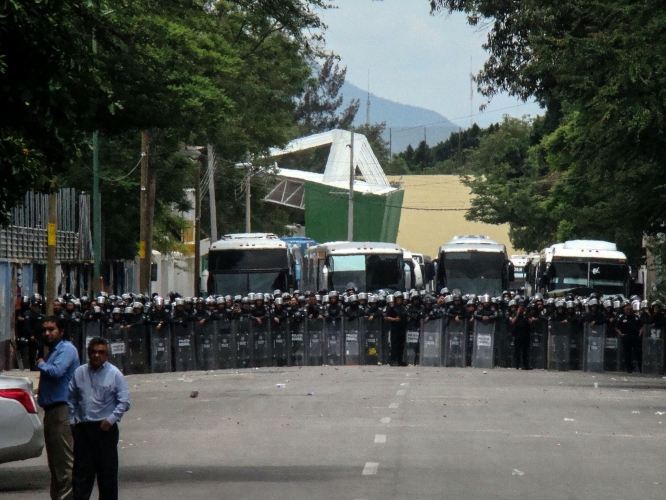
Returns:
(630,328)
(398,318)
(520,328)
(32,321)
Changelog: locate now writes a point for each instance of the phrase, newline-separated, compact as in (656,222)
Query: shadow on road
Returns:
(37,478)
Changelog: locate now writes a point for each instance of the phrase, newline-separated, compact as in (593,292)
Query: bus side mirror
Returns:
(512,271)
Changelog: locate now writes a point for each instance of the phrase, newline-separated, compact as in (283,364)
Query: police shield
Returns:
(469,334)
(206,339)
(315,347)
(160,348)
(183,348)
(137,350)
(386,342)
(280,343)
(538,344)
(484,345)
(653,350)
(76,336)
(372,342)
(261,347)
(612,350)
(353,337)
(577,347)
(297,342)
(410,355)
(503,344)
(117,346)
(333,341)
(226,343)
(243,343)
(593,350)
(91,329)
(431,343)
(559,346)
(455,344)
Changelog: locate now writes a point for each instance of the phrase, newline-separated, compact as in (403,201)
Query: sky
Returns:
(415,58)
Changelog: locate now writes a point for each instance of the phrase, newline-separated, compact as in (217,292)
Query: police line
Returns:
(244,343)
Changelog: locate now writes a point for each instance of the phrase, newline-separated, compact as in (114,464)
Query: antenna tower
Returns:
(471,93)
(367,104)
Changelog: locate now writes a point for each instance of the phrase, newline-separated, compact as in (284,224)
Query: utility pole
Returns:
(390,144)
(197,229)
(144,234)
(211,194)
(425,150)
(367,104)
(51,249)
(350,215)
(248,197)
(97,208)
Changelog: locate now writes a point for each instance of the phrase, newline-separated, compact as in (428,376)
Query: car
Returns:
(22,435)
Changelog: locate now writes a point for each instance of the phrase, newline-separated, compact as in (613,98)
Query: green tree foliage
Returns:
(222,72)
(318,108)
(596,67)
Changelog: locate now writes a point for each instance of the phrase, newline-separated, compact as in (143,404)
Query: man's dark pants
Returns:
(95,455)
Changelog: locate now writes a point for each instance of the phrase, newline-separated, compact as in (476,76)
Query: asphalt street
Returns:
(384,433)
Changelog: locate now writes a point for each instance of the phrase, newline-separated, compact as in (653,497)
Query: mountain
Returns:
(407,122)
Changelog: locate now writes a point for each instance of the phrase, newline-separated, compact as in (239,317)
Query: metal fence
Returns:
(25,239)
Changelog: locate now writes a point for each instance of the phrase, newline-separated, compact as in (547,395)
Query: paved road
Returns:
(385,433)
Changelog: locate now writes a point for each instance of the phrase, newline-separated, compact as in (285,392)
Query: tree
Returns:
(225,71)
(318,108)
(596,67)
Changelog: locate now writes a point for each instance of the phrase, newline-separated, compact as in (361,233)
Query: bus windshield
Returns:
(242,271)
(368,272)
(610,279)
(473,272)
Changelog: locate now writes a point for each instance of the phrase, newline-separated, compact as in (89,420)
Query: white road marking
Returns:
(385,420)
(401,392)
(380,438)
(370,468)
(394,405)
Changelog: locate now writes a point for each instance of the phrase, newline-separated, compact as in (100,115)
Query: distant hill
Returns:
(400,117)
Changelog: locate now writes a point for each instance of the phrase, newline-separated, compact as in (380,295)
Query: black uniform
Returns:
(520,328)
(398,332)
(32,321)
(630,326)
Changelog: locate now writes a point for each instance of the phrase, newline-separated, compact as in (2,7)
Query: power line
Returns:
(448,120)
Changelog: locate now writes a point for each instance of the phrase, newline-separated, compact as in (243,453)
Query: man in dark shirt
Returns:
(398,317)
(630,328)
(520,327)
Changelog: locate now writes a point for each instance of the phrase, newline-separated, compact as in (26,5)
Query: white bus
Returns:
(474,264)
(370,266)
(250,262)
(582,266)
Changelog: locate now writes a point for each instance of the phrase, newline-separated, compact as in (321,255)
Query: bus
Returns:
(582,267)
(474,264)
(250,262)
(370,266)
(413,270)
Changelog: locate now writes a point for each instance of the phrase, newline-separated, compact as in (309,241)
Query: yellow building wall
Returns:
(424,231)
